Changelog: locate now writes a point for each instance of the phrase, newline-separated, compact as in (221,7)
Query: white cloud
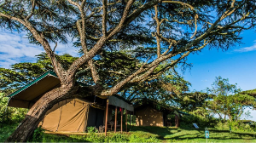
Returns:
(15,48)
(247,49)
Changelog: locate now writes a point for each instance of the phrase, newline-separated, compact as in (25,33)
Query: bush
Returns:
(92,130)
(234,125)
(9,115)
(37,135)
(201,121)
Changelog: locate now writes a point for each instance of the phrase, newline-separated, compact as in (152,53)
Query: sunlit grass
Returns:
(145,134)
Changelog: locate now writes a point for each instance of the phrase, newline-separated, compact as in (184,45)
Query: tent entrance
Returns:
(95,117)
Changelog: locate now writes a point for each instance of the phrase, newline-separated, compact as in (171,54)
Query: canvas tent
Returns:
(71,115)
(67,115)
(150,113)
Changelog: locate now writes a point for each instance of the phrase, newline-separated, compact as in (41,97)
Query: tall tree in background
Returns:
(178,27)
(228,101)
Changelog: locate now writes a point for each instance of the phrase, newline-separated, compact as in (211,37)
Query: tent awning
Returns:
(115,101)
(26,96)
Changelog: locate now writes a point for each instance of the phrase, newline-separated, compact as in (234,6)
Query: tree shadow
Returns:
(175,133)
(62,138)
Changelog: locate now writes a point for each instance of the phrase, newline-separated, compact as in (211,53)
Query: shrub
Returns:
(92,130)
(37,135)
(200,120)
(10,115)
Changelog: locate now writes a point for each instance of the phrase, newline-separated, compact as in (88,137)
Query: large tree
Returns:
(227,101)
(179,28)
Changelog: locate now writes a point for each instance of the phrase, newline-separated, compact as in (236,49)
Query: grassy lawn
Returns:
(145,134)
(193,135)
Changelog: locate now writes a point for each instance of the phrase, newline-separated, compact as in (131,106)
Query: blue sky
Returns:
(237,64)
(15,48)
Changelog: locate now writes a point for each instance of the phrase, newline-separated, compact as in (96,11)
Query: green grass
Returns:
(6,130)
(146,134)
(192,135)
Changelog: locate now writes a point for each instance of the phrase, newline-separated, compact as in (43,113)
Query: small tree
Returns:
(179,28)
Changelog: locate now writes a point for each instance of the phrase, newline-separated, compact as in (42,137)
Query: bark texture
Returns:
(38,110)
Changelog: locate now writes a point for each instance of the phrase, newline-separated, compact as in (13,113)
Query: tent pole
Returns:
(121,120)
(130,119)
(106,121)
(115,118)
(126,119)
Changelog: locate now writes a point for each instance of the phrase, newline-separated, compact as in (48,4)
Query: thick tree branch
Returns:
(104,18)
(123,19)
(73,3)
(40,38)
(82,34)
(143,76)
(95,75)
(86,57)
(119,85)
(158,24)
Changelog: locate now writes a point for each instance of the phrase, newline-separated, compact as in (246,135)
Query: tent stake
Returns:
(106,121)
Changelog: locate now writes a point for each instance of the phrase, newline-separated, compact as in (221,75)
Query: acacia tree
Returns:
(227,101)
(179,27)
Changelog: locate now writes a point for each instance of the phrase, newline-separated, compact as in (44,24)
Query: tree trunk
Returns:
(38,110)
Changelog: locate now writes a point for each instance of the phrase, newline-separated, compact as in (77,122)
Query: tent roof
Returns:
(48,73)
(26,96)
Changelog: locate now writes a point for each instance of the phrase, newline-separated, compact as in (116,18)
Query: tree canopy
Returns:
(153,36)
(228,101)
(153,32)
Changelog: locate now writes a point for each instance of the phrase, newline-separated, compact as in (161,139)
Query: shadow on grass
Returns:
(165,133)
(62,138)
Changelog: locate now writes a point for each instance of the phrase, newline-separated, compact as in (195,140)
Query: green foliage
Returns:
(147,134)
(221,86)
(37,135)
(192,102)
(92,137)
(235,126)
(187,120)
(10,115)
(227,100)
(92,130)
(22,73)
(6,130)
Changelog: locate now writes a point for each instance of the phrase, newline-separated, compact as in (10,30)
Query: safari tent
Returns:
(150,113)
(70,115)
